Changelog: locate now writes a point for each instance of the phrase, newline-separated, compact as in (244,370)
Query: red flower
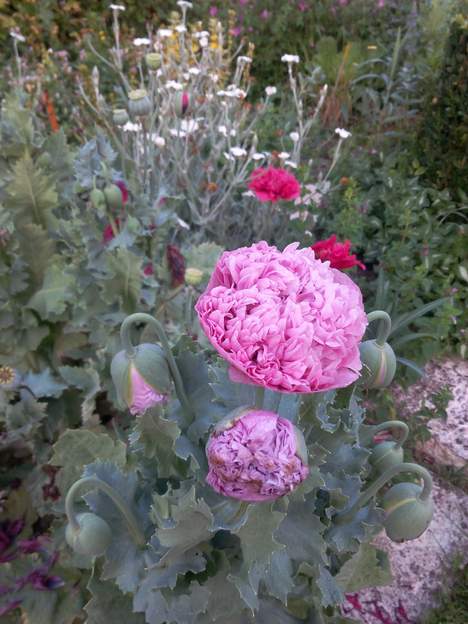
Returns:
(274,184)
(176,263)
(123,189)
(337,253)
(148,270)
(108,233)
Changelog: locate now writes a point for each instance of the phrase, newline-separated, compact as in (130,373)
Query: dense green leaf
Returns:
(369,567)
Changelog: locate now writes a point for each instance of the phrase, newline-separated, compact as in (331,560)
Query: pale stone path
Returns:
(423,568)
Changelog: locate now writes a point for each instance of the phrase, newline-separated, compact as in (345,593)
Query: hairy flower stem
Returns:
(385,325)
(394,424)
(259,397)
(346,515)
(118,501)
(140,317)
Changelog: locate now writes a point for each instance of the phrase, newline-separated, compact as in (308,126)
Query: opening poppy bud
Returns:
(385,455)
(378,364)
(92,536)
(182,103)
(120,116)
(153,60)
(143,379)
(407,514)
(113,196)
(193,276)
(256,456)
(139,104)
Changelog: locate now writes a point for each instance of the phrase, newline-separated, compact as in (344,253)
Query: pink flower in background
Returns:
(213,11)
(338,254)
(108,233)
(284,320)
(144,396)
(256,458)
(272,184)
(148,270)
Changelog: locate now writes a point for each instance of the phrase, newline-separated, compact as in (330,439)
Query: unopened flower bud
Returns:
(385,455)
(255,455)
(193,276)
(139,103)
(143,379)
(407,514)
(92,537)
(153,60)
(113,196)
(181,103)
(120,116)
(378,364)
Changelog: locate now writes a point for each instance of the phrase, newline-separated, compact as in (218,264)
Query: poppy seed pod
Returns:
(120,116)
(255,456)
(92,537)
(139,103)
(153,60)
(181,103)
(378,364)
(385,455)
(113,196)
(143,379)
(407,514)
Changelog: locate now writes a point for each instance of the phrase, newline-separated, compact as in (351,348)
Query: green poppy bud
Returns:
(378,364)
(113,196)
(153,60)
(120,116)
(139,104)
(407,515)
(92,537)
(193,276)
(142,380)
(385,455)
(98,201)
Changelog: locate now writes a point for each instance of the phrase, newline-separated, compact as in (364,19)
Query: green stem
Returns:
(141,317)
(118,501)
(394,424)
(259,396)
(385,325)
(347,514)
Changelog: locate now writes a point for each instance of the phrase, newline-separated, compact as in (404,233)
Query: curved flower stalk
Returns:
(377,356)
(88,533)
(408,507)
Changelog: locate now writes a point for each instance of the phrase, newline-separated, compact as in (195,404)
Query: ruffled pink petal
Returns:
(143,395)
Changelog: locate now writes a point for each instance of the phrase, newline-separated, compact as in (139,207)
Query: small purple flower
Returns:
(44,582)
(213,11)
(33,545)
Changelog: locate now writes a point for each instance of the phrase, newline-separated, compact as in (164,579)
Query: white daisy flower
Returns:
(194,71)
(290,58)
(117,7)
(17,35)
(131,127)
(159,141)
(291,163)
(258,156)
(294,136)
(184,4)
(271,90)
(204,41)
(173,84)
(164,33)
(342,133)
(244,59)
(141,41)
(181,28)
(283,155)
(238,151)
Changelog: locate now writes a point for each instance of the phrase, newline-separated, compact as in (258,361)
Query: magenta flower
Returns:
(284,320)
(144,396)
(258,457)
(273,184)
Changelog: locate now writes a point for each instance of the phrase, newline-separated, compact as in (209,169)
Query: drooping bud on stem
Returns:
(408,507)
(155,374)
(88,533)
(377,356)
(385,455)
